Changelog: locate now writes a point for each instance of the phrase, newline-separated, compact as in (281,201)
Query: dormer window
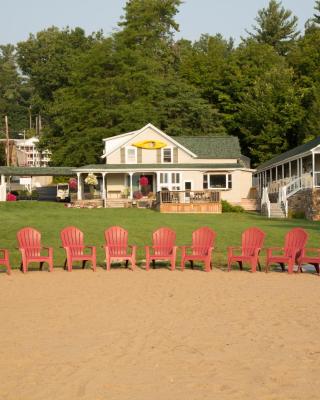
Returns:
(167,155)
(131,155)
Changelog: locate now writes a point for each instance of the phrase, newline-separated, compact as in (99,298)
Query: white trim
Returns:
(226,174)
(135,153)
(162,155)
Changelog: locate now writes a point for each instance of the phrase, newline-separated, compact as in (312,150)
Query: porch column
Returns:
(282,166)
(289,169)
(270,175)
(313,169)
(79,194)
(3,179)
(104,194)
(131,186)
(276,173)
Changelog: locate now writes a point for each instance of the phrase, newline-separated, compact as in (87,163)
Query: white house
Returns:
(182,170)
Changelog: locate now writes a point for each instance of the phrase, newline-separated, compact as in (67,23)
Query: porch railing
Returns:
(188,196)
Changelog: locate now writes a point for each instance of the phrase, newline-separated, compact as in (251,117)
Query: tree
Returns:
(316,17)
(276,26)
(47,58)
(14,90)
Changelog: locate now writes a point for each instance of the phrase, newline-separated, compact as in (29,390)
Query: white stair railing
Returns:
(294,186)
(265,201)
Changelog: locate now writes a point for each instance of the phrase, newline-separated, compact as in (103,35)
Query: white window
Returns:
(170,180)
(131,155)
(217,181)
(167,155)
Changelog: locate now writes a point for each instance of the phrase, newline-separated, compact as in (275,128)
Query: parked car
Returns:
(63,192)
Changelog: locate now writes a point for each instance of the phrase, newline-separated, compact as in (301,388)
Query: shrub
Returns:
(137,195)
(297,214)
(227,207)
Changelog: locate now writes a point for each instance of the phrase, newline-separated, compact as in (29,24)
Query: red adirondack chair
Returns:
(72,242)
(4,259)
(201,249)
(117,248)
(252,242)
(313,259)
(29,240)
(163,247)
(295,242)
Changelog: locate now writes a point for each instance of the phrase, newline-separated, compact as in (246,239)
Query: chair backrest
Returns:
(117,240)
(72,237)
(295,241)
(252,238)
(202,239)
(29,239)
(163,241)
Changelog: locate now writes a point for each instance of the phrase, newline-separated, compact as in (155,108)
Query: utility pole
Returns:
(40,124)
(30,118)
(7,139)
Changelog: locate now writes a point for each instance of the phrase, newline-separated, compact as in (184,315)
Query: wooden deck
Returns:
(190,201)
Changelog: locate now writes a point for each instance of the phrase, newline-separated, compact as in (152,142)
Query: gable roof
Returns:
(303,148)
(131,135)
(212,146)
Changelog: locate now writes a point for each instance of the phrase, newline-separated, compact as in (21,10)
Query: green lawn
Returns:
(50,218)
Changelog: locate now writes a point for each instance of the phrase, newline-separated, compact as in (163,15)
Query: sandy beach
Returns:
(159,335)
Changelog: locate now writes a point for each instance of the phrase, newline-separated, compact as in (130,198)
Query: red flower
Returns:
(73,184)
(144,181)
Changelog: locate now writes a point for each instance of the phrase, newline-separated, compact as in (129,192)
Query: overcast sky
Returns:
(228,17)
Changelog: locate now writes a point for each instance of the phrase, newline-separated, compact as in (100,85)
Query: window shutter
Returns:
(139,155)
(122,155)
(158,156)
(175,155)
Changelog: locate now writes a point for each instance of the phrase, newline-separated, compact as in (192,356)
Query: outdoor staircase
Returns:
(117,203)
(250,204)
(276,211)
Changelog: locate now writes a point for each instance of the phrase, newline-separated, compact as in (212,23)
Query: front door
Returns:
(146,189)
(187,188)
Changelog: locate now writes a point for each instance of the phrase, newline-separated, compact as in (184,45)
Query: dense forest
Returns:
(265,90)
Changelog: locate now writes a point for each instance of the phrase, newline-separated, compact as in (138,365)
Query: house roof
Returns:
(303,148)
(211,146)
(36,171)
(144,167)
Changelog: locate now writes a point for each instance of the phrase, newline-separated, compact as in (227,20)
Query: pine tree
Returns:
(316,17)
(276,26)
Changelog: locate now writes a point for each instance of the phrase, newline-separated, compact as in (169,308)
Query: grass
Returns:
(50,218)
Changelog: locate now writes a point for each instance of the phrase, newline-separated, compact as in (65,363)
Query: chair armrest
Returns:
(232,248)
(271,249)
(49,250)
(310,249)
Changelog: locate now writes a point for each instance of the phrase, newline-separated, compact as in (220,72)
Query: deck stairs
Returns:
(279,209)
(116,203)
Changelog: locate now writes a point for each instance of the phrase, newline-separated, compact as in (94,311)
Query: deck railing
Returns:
(188,196)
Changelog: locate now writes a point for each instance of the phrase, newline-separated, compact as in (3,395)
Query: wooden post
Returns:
(30,118)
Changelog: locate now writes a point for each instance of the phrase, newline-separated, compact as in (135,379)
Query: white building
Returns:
(28,155)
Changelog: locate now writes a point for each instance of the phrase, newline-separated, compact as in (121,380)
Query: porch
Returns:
(189,201)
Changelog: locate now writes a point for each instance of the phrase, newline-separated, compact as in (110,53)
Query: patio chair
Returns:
(312,259)
(295,242)
(4,260)
(117,248)
(163,248)
(201,249)
(30,247)
(72,242)
(252,242)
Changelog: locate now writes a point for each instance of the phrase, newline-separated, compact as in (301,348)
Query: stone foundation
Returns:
(306,201)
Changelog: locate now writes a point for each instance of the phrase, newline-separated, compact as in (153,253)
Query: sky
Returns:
(231,18)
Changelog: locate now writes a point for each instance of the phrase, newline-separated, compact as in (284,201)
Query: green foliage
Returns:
(276,26)
(229,208)
(316,16)
(297,215)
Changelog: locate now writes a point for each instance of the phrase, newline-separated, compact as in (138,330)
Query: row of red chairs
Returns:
(163,248)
